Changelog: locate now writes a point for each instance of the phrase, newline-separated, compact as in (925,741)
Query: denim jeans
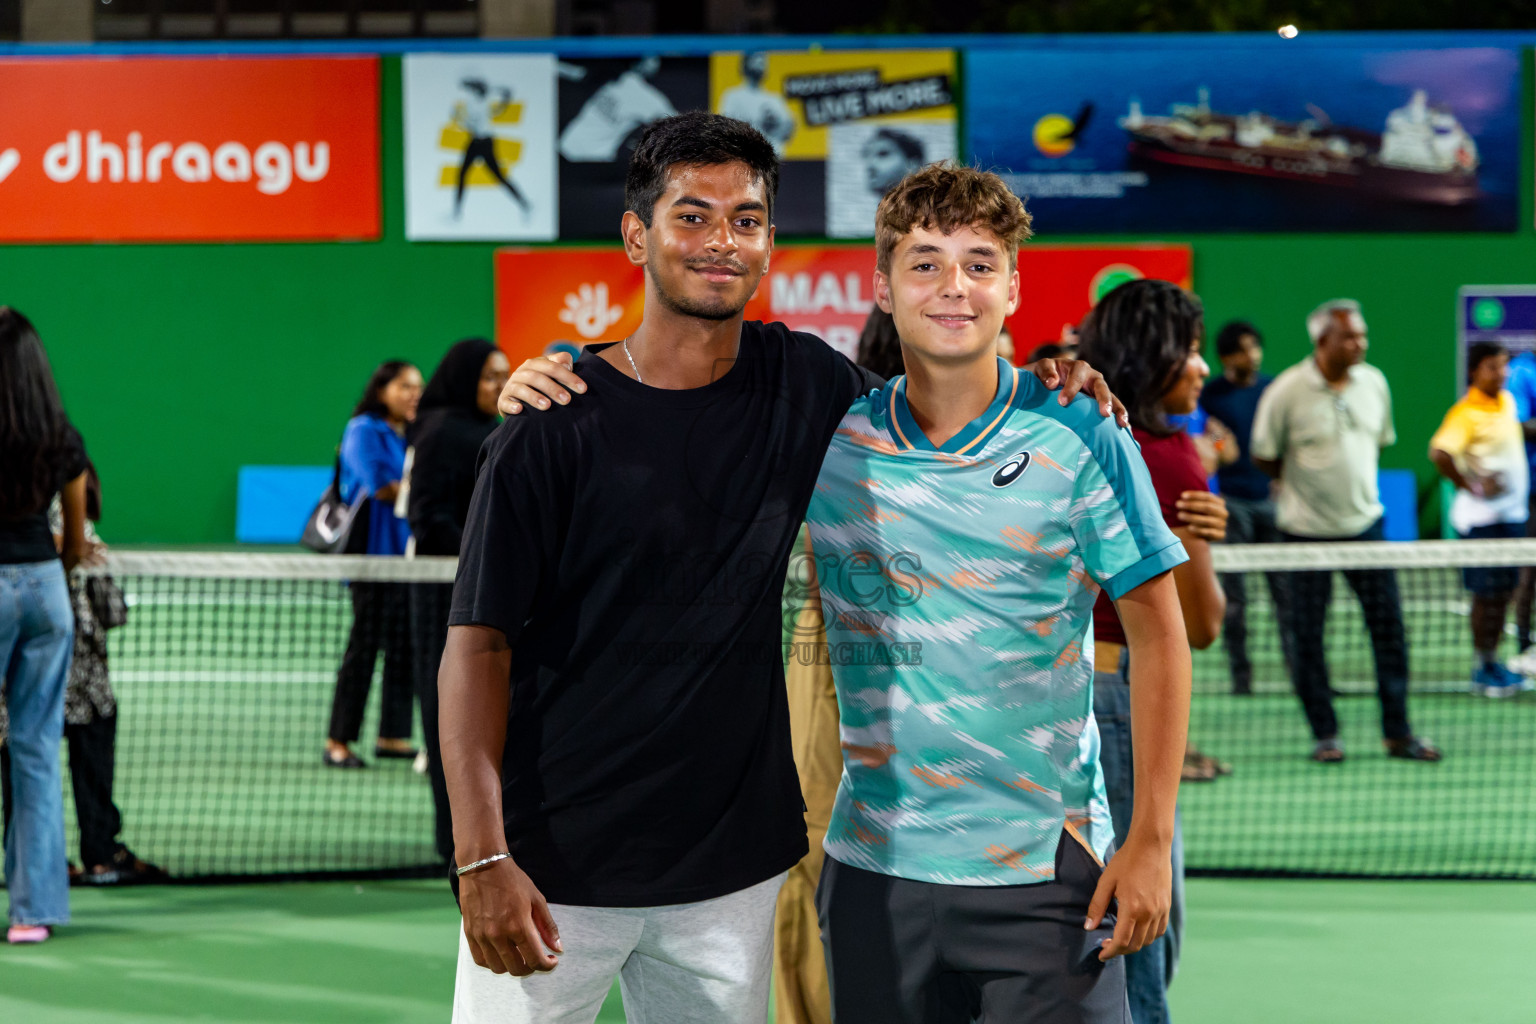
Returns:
(1149,971)
(1382,609)
(37,637)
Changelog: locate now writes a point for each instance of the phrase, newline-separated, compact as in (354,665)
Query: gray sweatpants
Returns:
(689,963)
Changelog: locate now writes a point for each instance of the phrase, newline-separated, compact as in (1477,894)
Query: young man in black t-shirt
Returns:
(622,566)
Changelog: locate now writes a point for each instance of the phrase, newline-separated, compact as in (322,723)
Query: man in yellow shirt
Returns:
(1480,447)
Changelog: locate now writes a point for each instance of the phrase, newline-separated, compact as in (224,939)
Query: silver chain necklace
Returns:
(631,359)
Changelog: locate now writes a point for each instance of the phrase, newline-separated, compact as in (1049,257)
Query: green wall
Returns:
(182,363)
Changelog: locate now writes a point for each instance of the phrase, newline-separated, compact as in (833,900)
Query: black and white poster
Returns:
(604,105)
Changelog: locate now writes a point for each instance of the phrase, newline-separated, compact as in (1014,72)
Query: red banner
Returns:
(1059,284)
(566,297)
(184,149)
(559,299)
(826,290)
(563,298)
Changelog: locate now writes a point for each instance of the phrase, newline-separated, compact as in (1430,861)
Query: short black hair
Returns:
(1481,350)
(695,139)
(1229,340)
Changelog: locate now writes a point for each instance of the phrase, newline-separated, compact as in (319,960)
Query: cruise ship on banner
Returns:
(1424,155)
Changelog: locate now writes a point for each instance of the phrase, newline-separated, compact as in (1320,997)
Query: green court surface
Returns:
(1257,952)
(1472,814)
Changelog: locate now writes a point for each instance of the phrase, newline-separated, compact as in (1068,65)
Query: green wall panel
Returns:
(182,363)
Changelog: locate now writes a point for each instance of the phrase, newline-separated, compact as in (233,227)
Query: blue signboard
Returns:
(1505,314)
(1263,136)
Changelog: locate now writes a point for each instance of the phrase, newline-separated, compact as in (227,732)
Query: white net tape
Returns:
(1429,554)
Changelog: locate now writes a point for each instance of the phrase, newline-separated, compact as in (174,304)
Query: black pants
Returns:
(906,952)
(1250,522)
(92,763)
(429,632)
(379,622)
(1382,607)
(483,149)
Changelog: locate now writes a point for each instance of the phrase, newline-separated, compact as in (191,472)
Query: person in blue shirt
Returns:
(1522,384)
(372,457)
(1232,399)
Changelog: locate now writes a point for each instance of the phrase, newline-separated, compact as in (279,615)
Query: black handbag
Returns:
(106,600)
(336,527)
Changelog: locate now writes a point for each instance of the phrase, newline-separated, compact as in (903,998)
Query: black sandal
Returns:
(351,760)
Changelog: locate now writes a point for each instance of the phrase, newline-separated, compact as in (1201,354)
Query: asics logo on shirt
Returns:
(1011,470)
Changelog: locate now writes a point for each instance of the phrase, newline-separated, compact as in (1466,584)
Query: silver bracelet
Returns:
(493,858)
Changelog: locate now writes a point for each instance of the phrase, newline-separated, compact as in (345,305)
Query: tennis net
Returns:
(224,674)
(225,669)
(1472,815)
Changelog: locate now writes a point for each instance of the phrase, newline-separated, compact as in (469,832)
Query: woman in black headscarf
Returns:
(456,415)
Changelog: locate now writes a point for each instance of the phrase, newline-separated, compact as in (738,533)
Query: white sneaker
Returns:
(1524,662)
(419,766)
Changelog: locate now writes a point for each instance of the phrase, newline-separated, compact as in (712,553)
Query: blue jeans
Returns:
(1148,971)
(37,637)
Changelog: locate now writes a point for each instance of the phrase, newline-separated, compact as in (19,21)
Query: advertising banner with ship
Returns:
(1260,137)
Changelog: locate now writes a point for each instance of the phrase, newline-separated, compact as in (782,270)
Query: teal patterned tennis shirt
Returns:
(957,586)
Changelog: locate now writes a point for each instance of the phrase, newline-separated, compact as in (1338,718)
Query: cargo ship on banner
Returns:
(1424,155)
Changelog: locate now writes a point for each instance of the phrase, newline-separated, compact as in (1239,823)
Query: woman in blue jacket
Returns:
(373,459)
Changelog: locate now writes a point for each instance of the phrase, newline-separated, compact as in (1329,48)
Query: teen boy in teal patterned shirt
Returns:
(963,525)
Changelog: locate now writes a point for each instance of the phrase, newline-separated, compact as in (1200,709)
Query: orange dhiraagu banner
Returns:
(562,298)
(189,148)
(1059,284)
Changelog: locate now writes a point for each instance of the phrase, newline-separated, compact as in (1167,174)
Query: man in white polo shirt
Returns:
(1319,429)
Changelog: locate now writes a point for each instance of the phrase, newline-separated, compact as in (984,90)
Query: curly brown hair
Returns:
(943,197)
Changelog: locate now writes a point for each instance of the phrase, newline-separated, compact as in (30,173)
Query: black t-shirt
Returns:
(633,548)
(28,538)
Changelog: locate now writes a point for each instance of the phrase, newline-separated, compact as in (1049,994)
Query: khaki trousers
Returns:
(800,988)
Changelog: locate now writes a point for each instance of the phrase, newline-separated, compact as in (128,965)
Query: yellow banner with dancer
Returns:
(480,147)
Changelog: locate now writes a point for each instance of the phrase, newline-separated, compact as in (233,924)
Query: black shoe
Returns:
(1412,748)
(351,760)
(132,870)
(389,753)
